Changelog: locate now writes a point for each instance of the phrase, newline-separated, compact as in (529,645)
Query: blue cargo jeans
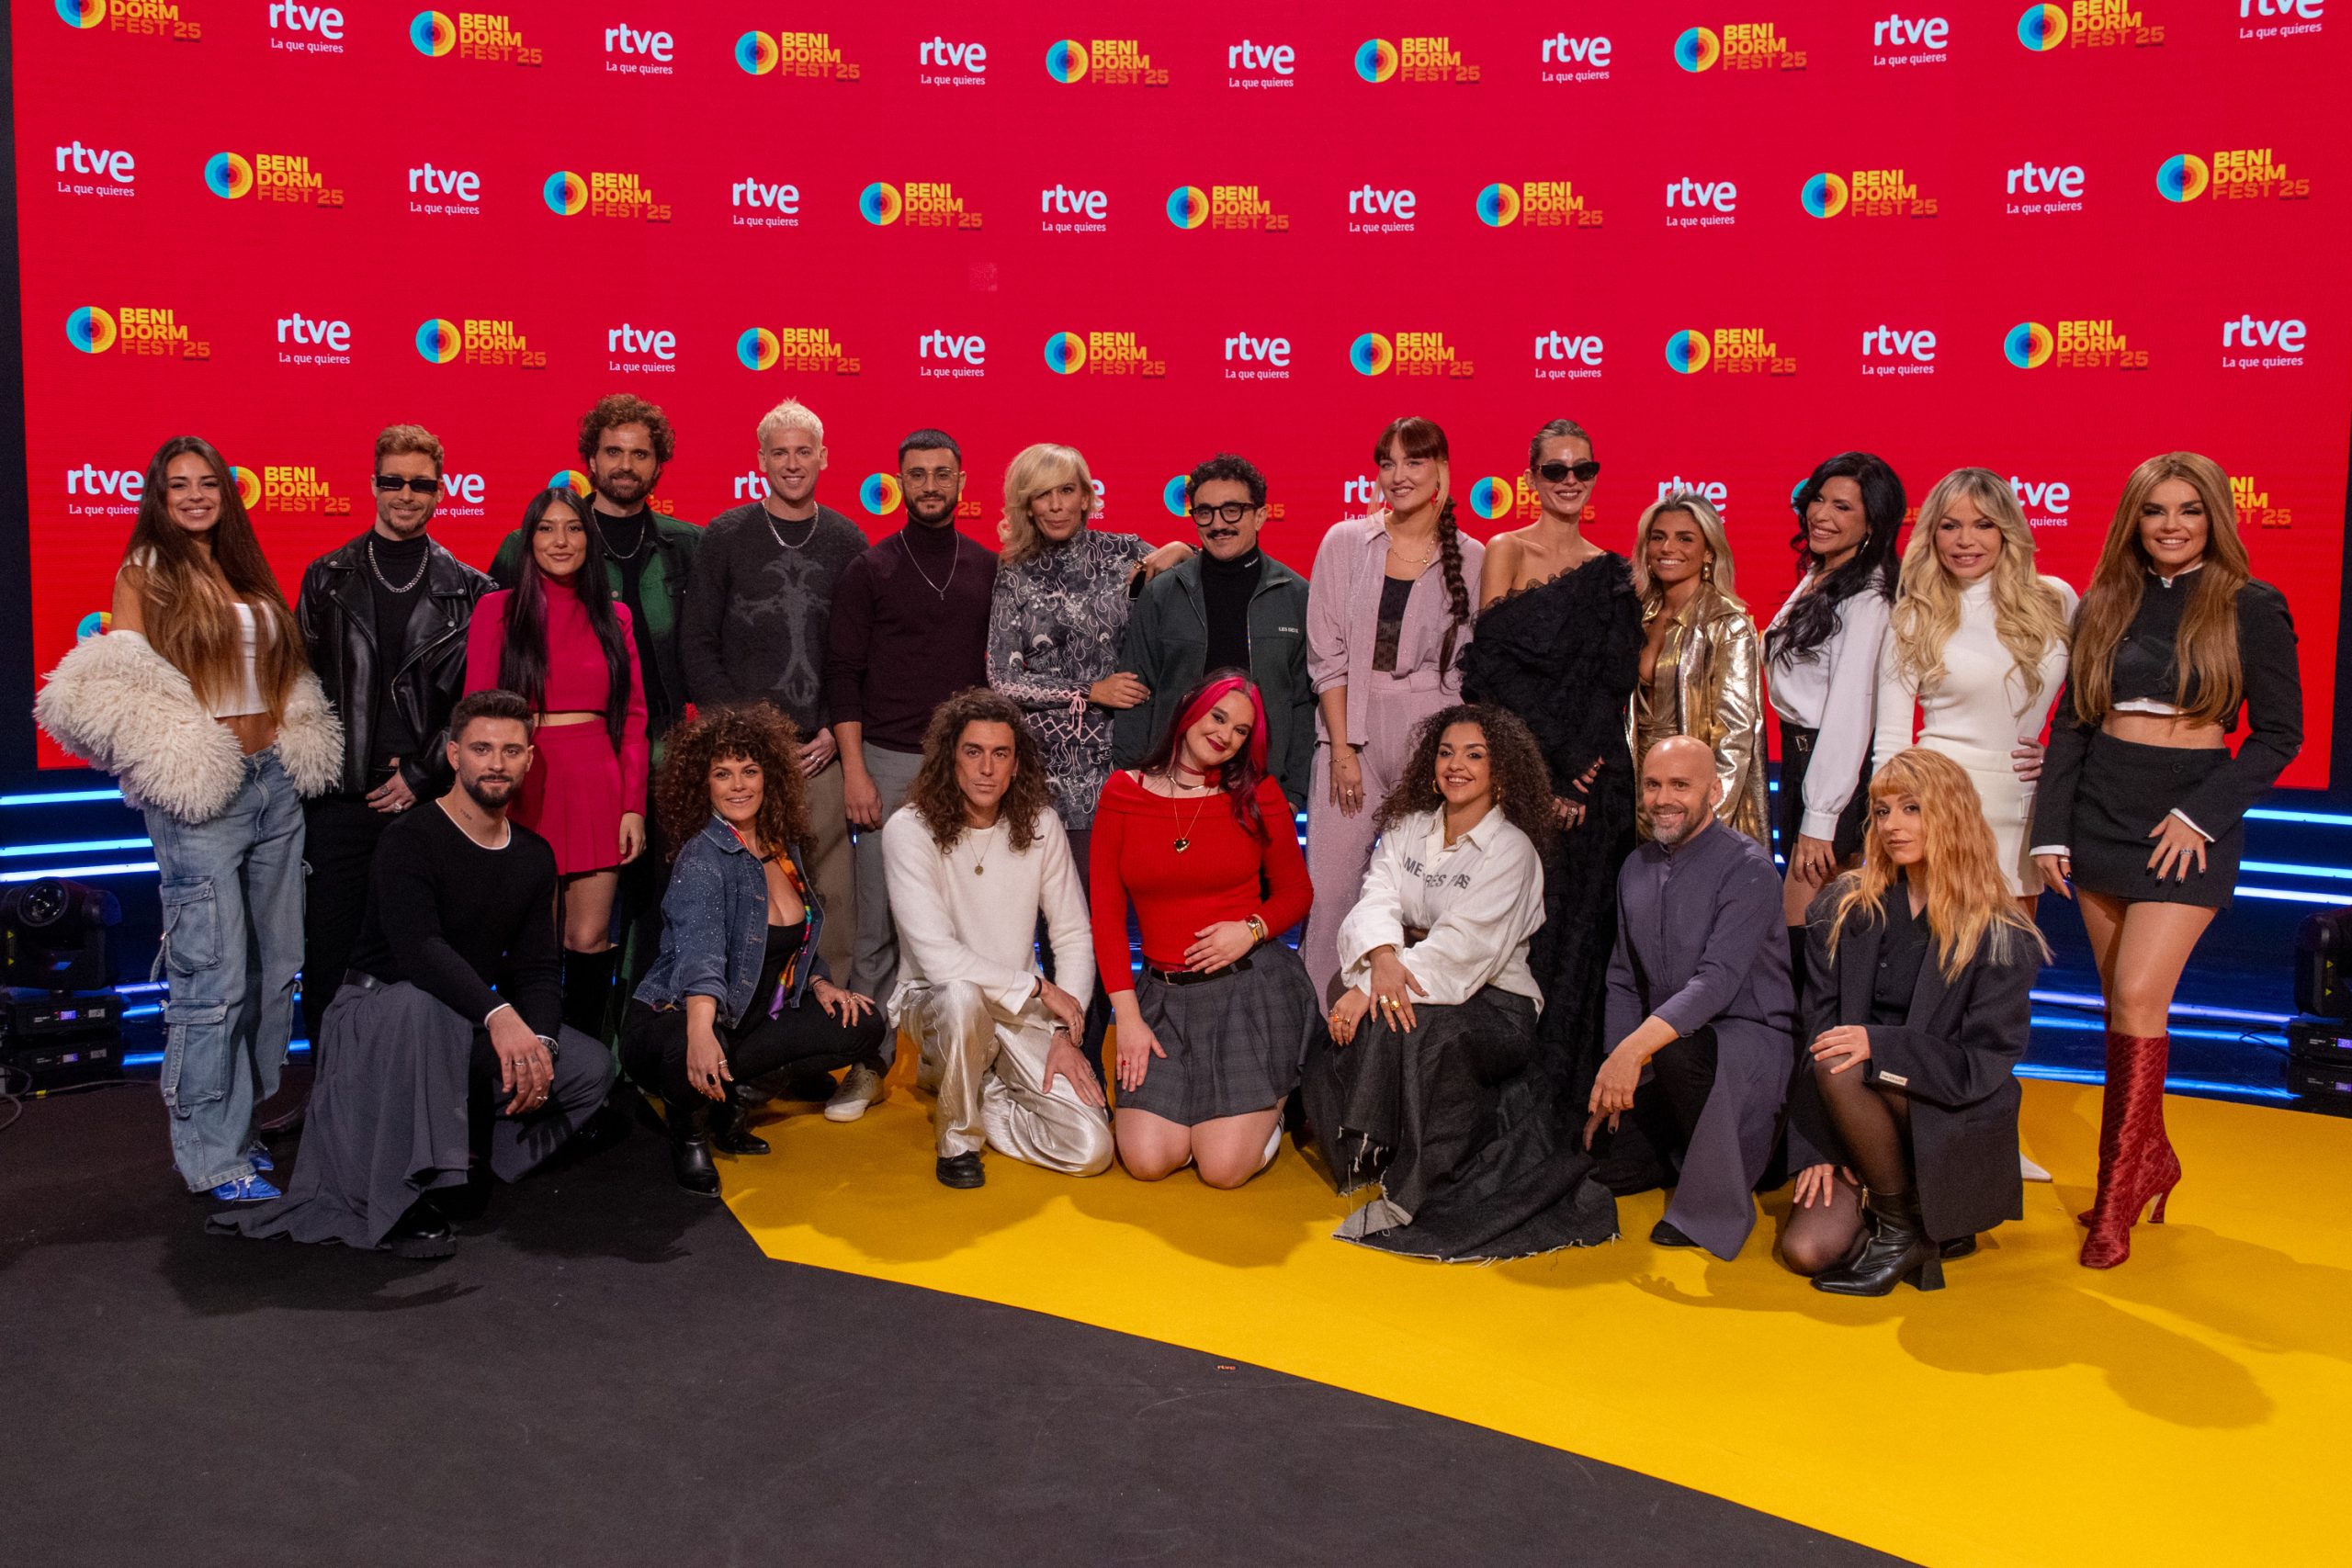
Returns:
(233,945)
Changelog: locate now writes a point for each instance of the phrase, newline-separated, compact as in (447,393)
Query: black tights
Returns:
(1875,1122)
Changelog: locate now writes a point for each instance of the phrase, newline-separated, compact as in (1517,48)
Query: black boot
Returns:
(690,1148)
(1897,1250)
(588,991)
(730,1127)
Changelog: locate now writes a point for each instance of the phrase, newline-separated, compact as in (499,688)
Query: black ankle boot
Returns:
(690,1148)
(588,991)
(730,1130)
(1897,1250)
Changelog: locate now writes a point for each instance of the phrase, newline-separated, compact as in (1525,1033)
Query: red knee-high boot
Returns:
(2135,1158)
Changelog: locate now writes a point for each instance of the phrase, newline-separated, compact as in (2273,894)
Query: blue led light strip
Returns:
(2189,1086)
(60,798)
(92,846)
(127,868)
(2179,1009)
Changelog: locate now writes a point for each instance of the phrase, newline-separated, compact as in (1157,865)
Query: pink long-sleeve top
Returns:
(577,680)
(1343,619)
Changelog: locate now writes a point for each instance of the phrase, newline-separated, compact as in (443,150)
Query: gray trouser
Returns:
(990,1079)
(830,869)
(873,971)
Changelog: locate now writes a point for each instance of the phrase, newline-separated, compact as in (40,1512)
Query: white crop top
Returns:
(245,696)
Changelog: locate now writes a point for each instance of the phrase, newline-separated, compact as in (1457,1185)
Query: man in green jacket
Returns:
(1232,604)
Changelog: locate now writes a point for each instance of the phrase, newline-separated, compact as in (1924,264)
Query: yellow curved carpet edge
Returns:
(2186,1406)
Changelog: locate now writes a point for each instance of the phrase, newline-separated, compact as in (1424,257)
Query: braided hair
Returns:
(1414,436)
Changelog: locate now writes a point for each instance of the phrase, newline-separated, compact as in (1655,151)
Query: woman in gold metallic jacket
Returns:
(1701,664)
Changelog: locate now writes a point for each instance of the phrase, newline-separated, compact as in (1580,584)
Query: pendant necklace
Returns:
(980,866)
(1185,834)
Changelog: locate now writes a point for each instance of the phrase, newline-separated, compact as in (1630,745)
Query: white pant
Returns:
(990,1079)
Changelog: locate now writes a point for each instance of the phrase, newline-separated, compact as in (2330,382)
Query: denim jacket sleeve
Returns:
(695,907)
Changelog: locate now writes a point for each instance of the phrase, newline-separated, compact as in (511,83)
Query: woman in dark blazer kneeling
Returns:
(1918,969)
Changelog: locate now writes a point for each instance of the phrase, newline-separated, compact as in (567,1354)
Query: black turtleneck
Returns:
(396,584)
(1226,589)
(629,544)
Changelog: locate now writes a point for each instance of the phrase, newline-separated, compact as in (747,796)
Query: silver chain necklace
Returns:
(939,588)
(645,532)
(778,538)
(390,586)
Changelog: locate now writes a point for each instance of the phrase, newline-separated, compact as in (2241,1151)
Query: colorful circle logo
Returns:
(566,194)
(81,13)
(2183,177)
(1491,498)
(248,486)
(2028,345)
(1188,206)
(1375,60)
(439,341)
(1066,60)
(1698,49)
(90,330)
(98,623)
(1171,495)
(1824,196)
(2042,28)
(757,53)
(572,480)
(1371,355)
(758,349)
(1498,206)
(880,204)
(433,33)
(227,175)
(1687,352)
(880,494)
(1065,353)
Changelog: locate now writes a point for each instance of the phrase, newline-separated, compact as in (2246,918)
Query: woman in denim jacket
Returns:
(729,996)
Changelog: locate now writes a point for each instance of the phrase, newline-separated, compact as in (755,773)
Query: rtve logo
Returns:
(1714,491)
(323,20)
(90,479)
(1716,196)
(1561,50)
(118,166)
(939,51)
(784,198)
(2042,498)
(1360,491)
(2303,10)
(661,343)
(625,40)
(2246,332)
(463,183)
(2030,178)
(1070,203)
(1366,201)
(972,350)
(301,329)
(1894,343)
(1250,350)
(1569,348)
(1902,33)
(467,488)
(1277,59)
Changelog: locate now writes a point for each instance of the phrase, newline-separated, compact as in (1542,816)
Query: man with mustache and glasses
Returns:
(1232,605)
(445,1037)
(910,627)
(1699,1010)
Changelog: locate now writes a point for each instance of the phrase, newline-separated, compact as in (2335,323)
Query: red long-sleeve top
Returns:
(577,680)
(1132,856)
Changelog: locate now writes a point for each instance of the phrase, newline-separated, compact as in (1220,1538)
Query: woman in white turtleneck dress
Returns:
(1975,654)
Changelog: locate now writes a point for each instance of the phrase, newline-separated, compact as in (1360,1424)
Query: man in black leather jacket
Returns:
(385,617)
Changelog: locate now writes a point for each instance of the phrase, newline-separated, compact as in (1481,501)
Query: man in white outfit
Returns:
(974,858)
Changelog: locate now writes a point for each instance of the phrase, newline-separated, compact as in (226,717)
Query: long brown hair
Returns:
(189,622)
(2210,683)
(936,798)
(1520,779)
(754,734)
(1969,905)
(1417,437)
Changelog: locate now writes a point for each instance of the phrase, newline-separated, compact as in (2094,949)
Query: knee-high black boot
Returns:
(588,992)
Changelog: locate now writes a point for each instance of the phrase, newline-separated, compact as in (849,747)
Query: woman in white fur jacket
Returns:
(200,701)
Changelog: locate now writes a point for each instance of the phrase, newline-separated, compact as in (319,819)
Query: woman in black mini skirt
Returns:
(2143,806)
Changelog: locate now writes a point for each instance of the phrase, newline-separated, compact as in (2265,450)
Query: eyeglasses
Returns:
(1229,513)
(388,483)
(1554,472)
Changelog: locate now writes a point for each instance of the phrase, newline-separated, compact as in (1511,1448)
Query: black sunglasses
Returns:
(1554,472)
(388,483)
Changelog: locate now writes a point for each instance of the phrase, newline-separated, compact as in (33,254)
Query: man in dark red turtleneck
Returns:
(910,626)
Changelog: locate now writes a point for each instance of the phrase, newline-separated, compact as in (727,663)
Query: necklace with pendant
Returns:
(1185,834)
(980,866)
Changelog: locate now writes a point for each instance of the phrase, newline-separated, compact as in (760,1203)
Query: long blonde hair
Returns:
(1969,907)
(2029,615)
(1035,471)
(2207,648)
(1718,577)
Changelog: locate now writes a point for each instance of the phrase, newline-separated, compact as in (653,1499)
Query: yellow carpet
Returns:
(2191,1406)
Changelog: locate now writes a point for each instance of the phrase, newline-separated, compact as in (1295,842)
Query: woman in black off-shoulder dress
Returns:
(1559,644)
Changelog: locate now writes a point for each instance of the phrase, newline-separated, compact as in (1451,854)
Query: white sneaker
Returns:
(2026,1168)
(861,1086)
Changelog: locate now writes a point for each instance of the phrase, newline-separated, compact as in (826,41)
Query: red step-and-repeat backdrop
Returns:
(1731,237)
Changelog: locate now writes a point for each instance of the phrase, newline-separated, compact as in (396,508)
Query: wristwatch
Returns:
(1256,925)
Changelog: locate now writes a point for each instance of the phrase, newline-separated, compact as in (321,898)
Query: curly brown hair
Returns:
(626,408)
(754,734)
(1520,779)
(938,800)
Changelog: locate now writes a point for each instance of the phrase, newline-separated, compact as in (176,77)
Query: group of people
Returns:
(752,801)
